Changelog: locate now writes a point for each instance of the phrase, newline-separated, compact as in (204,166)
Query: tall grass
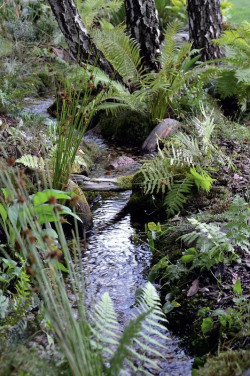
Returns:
(90,339)
(74,111)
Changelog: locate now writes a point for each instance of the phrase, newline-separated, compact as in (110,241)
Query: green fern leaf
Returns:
(121,51)
(201,179)
(178,195)
(105,328)
(91,10)
(32,161)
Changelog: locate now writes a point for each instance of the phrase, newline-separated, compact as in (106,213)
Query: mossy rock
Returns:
(229,363)
(82,207)
(126,182)
(127,128)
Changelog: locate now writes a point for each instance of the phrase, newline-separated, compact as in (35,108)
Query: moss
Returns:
(127,128)
(137,182)
(228,363)
(126,182)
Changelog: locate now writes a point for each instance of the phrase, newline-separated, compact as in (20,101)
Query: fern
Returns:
(178,195)
(141,336)
(32,161)
(171,46)
(122,51)
(105,327)
(21,300)
(201,179)
(91,11)
(213,243)
(157,174)
(235,76)
(238,216)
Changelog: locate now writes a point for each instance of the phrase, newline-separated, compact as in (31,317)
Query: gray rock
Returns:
(121,163)
(162,130)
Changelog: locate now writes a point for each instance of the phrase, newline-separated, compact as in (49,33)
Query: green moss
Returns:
(227,363)
(126,181)
(127,128)
(137,182)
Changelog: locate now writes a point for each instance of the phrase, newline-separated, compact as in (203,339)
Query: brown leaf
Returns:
(194,288)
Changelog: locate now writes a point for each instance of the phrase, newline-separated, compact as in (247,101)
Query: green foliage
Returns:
(207,325)
(25,361)
(234,79)
(238,216)
(177,196)
(156,92)
(213,244)
(96,11)
(232,320)
(32,161)
(91,339)
(201,180)
(178,167)
(42,205)
(122,51)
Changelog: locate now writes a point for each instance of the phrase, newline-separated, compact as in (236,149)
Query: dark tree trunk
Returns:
(205,20)
(143,24)
(80,44)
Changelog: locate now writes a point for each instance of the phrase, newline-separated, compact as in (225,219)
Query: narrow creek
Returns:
(114,263)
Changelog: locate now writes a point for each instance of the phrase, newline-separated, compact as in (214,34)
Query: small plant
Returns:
(232,320)
(234,79)
(180,165)
(211,244)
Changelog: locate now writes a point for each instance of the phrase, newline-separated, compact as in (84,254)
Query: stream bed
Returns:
(112,262)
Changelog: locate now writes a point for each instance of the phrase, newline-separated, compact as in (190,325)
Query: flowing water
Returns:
(115,264)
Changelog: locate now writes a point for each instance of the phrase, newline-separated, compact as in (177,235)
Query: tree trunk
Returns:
(80,44)
(205,20)
(143,24)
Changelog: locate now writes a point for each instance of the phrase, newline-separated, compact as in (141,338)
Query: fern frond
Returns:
(178,195)
(201,179)
(188,146)
(32,162)
(105,327)
(171,45)
(91,10)
(140,341)
(157,174)
(121,51)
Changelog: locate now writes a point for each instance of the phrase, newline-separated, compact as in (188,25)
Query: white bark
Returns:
(205,21)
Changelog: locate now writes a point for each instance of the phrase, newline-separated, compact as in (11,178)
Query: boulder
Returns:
(121,163)
(162,130)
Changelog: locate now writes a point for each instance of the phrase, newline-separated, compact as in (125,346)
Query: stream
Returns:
(112,262)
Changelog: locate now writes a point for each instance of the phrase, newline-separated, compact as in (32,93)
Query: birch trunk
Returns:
(205,25)
(143,24)
(77,37)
